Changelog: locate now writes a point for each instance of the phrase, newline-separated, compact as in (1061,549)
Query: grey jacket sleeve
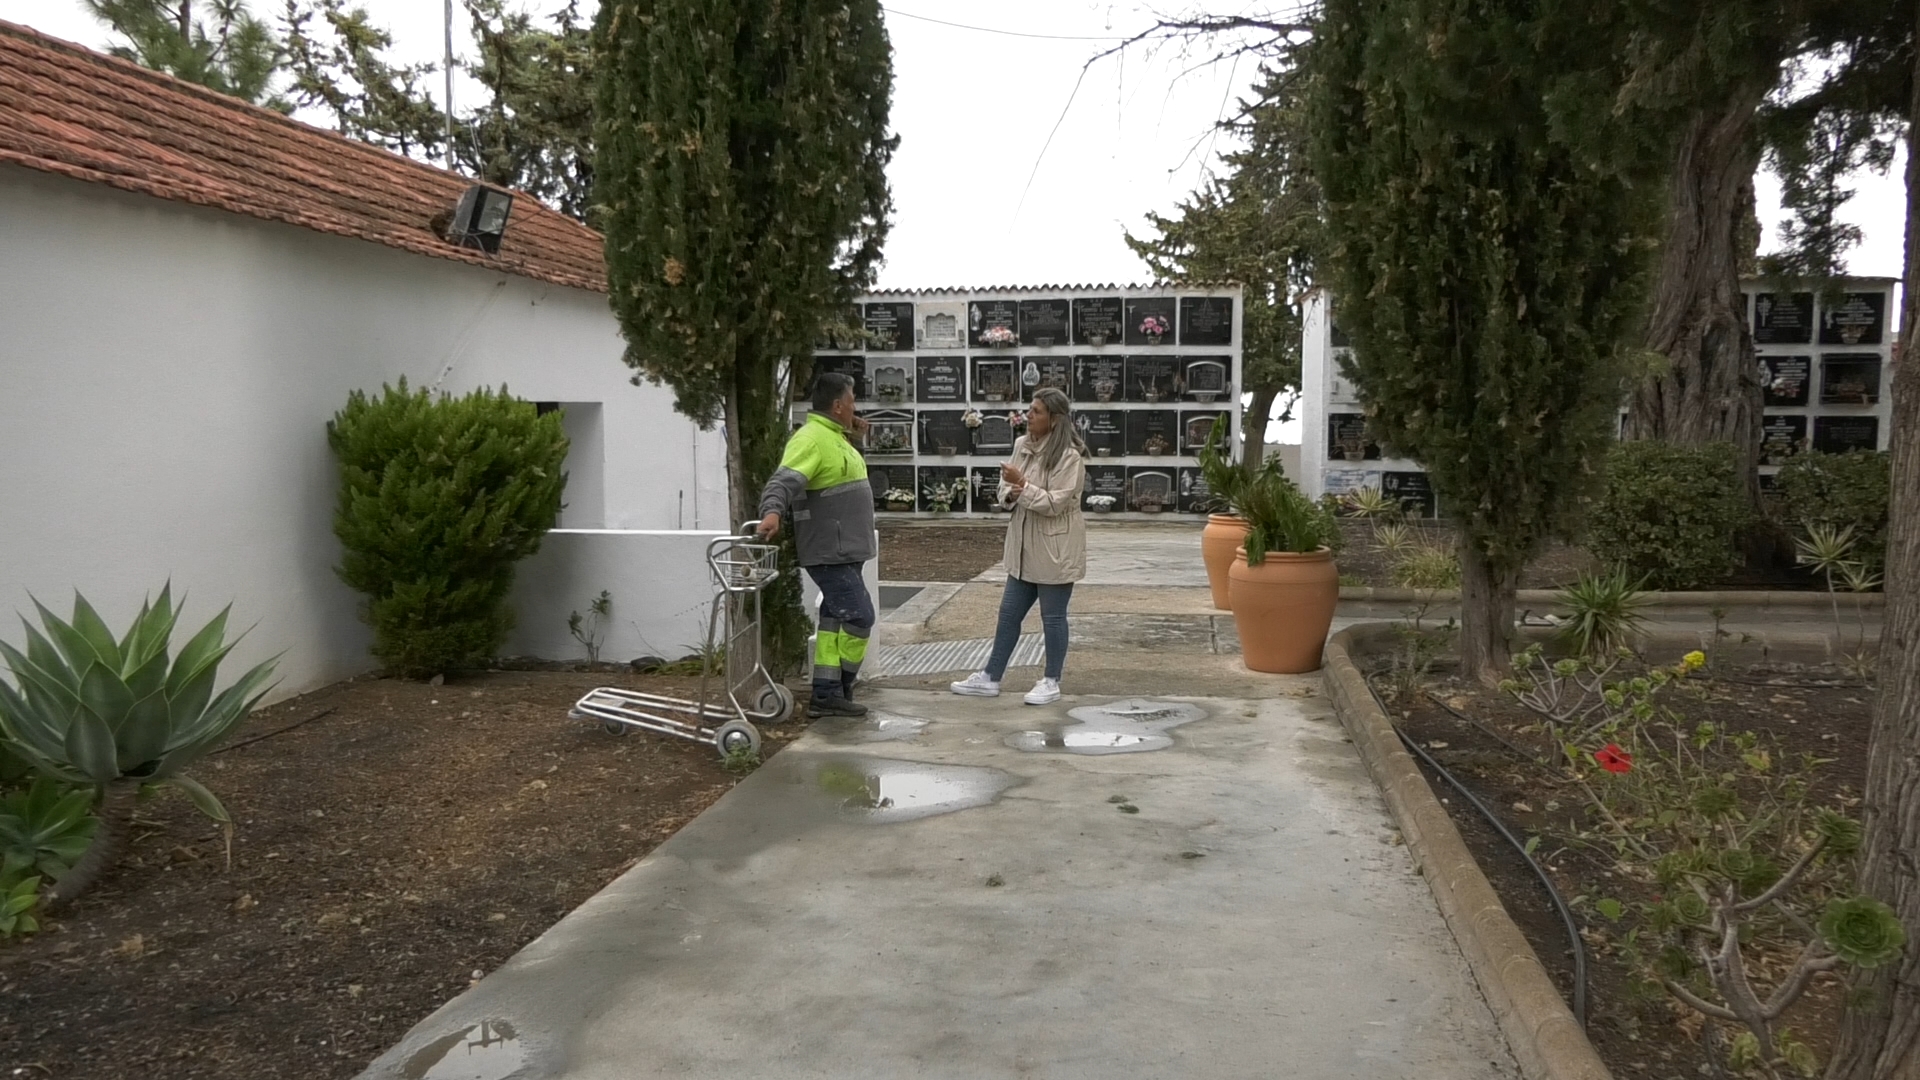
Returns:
(784,488)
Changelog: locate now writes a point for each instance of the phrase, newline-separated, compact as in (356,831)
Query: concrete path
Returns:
(950,890)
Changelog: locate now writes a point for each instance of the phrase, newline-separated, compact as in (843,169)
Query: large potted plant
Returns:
(1226,529)
(1283,585)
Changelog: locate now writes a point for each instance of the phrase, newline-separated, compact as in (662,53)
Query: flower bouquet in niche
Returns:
(1017,420)
(999,337)
(897,499)
(1154,327)
(972,419)
(941,497)
(1157,445)
(1100,504)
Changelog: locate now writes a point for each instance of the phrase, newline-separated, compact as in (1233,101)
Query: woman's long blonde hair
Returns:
(1062,434)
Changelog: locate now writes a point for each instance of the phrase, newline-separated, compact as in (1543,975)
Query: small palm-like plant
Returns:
(117,715)
(1606,612)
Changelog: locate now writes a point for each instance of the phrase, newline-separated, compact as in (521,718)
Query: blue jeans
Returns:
(1015,602)
(846,622)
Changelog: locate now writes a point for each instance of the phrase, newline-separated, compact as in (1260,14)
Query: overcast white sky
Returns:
(977,202)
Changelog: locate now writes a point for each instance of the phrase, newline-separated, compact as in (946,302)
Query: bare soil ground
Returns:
(940,552)
(404,840)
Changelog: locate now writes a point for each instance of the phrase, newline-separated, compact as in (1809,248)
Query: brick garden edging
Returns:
(1539,1028)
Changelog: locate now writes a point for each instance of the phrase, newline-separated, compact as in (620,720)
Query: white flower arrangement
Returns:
(896,495)
(972,418)
(1100,502)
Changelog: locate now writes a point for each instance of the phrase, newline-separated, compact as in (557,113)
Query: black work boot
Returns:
(846,687)
(834,706)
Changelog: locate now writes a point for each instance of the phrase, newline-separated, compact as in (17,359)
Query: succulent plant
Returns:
(44,828)
(1862,931)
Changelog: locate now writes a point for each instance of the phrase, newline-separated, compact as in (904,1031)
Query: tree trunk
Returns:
(1710,390)
(1486,614)
(115,813)
(1881,1041)
(1253,427)
(738,497)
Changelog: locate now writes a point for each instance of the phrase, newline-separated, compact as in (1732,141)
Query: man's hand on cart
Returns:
(769,526)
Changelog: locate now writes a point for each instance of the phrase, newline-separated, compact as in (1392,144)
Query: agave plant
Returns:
(1607,611)
(44,827)
(116,715)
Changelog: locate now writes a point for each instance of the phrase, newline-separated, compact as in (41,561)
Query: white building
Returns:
(189,289)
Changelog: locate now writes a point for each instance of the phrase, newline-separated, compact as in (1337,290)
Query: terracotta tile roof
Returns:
(70,111)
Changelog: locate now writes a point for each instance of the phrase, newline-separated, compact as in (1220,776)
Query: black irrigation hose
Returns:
(1519,751)
(1560,905)
(276,731)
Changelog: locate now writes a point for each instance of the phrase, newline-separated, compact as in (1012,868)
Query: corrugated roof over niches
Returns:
(73,112)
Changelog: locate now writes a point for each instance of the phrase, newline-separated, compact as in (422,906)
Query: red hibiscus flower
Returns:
(1613,759)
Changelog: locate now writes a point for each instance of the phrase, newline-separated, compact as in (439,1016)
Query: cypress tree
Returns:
(1488,230)
(741,167)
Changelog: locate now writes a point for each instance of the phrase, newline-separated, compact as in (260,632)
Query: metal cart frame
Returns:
(741,568)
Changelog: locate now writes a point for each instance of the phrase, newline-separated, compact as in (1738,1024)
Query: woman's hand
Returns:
(1012,475)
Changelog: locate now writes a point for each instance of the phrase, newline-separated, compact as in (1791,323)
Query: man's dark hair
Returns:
(827,388)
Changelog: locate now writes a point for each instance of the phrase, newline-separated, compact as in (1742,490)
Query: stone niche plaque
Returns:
(1104,430)
(940,326)
(853,367)
(889,433)
(1099,379)
(1781,437)
(1839,434)
(889,326)
(1206,320)
(951,478)
(1343,482)
(1152,378)
(1412,491)
(1097,321)
(994,379)
(994,436)
(942,379)
(1207,378)
(1347,438)
(984,482)
(1783,318)
(1159,309)
(944,432)
(1152,488)
(1195,426)
(996,315)
(1850,379)
(1039,372)
(1856,319)
(892,380)
(1108,480)
(887,477)
(1195,496)
(1787,379)
(1046,324)
(1153,432)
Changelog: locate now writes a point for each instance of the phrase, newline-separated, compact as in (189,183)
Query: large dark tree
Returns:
(232,52)
(1260,225)
(742,162)
(1488,221)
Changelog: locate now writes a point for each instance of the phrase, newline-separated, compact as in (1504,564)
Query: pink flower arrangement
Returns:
(998,335)
(1153,326)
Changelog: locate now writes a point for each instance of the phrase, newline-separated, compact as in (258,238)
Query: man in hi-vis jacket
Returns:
(822,485)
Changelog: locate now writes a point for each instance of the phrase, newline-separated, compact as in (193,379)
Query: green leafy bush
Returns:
(439,497)
(1839,491)
(1281,518)
(1671,515)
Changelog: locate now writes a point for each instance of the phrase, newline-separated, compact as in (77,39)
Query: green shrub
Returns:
(439,497)
(1672,515)
(1838,491)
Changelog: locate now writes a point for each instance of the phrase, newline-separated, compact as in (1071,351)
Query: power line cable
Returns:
(995,30)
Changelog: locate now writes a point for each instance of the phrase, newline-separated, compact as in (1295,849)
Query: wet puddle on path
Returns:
(876,726)
(882,790)
(489,1050)
(1133,726)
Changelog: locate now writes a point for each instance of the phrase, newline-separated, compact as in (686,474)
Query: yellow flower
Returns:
(1694,660)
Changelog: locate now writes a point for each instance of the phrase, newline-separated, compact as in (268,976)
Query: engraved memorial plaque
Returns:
(1151,489)
(1152,378)
(1097,321)
(1839,434)
(1787,379)
(892,380)
(1850,379)
(1781,437)
(1045,324)
(940,326)
(1207,378)
(1206,320)
(1412,491)
(884,478)
(1195,496)
(1856,319)
(985,483)
(1343,482)
(993,323)
(1150,320)
(993,379)
(944,432)
(888,326)
(994,436)
(1039,372)
(1104,431)
(942,379)
(1153,432)
(853,367)
(889,433)
(948,480)
(1783,318)
(1347,438)
(1109,481)
(1195,427)
(1099,379)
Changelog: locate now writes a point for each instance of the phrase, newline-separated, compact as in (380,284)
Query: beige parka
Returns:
(1047,538)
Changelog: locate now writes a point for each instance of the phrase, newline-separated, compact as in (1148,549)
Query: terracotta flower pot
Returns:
(1283,609)
(1218,541)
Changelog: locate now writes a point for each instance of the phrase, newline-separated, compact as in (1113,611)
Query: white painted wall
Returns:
(167,372)
(653,613)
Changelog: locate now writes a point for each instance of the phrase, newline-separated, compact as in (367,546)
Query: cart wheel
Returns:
(776,705)
(614,727)
(736,735)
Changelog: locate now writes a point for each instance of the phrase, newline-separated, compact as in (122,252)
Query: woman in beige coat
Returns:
(1046,543)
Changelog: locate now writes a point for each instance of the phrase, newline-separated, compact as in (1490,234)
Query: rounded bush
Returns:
(1673,514)
(1848,490)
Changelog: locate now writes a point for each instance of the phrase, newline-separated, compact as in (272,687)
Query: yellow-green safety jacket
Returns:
(821,486)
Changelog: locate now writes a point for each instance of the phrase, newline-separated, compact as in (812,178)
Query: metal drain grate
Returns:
(932,657)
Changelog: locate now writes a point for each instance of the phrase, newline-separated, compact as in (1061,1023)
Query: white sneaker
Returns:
(977,685)
(1044,692)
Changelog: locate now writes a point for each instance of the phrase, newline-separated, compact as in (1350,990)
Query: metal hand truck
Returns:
(741,568)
